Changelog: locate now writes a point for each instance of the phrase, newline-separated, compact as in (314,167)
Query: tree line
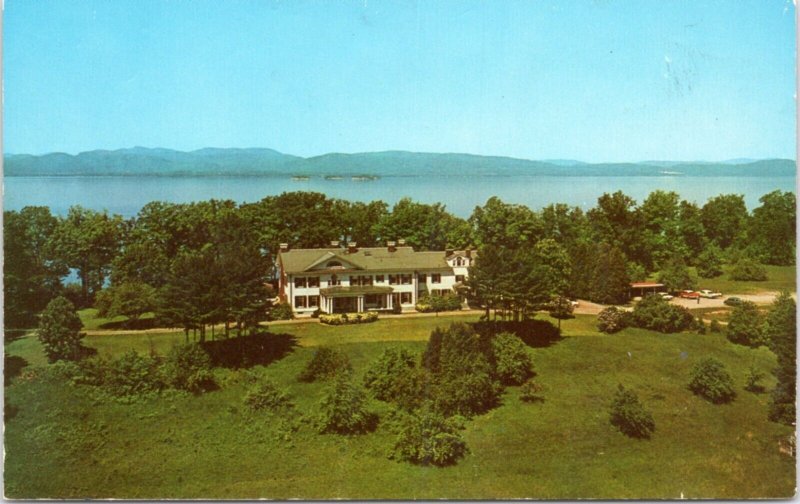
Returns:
(207,263)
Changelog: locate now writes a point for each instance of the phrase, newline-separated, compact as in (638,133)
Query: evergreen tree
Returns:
(781,332)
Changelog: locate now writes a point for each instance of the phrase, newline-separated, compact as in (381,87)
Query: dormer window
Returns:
(460,261)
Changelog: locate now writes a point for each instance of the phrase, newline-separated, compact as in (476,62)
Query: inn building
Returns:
(351,279)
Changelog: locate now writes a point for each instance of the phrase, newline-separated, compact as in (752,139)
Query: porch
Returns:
(356,299)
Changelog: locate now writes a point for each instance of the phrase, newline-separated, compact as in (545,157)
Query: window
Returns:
(436,277)
(299,301)
(335,280)
(459,278)
(373,299)
(379,279)
(460,261)
(366,280)
(405,279)
(313,281)
(299,282)
(313,301)
(354,280)
(422,277)
(405,298)
(393,280)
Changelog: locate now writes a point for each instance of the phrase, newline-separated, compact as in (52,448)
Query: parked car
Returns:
(710,294)
(666,295)
(733,301)
(689,294)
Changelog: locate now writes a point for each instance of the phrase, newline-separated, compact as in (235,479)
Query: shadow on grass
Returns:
(13,366)
(136,325)
(534,333)
(261,349)
(14,334)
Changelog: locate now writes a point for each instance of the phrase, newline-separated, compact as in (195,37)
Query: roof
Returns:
(355,290)
(364,259)
(641,285)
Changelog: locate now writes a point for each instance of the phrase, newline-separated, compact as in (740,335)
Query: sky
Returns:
(594,80)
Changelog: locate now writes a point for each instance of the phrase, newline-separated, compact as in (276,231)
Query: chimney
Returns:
(469,253)
(284,247)
(334,243)
(401,242)
(448,252)
(351,247)
(392,246)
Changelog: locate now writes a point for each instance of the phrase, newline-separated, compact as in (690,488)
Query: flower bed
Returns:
(348,318)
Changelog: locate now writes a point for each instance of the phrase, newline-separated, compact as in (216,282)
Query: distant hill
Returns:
(140,161)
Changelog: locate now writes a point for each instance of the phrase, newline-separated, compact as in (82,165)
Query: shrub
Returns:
(59,331)
(655,313)
(428,438)
(611,320)
(188,367)
(267,396)
(530,391)
(709,262)
(675,276)
(715,326)
(393,377)
(710,380)
(325,364)
(281,311)
(630,416)
(348,318)
(343,409)
(447,302)
(511,359)
(561,309)
(753,380)
(746,269)
(746,325)
(130,375)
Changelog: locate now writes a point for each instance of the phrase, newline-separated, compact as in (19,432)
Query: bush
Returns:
(530,391)
(394,377)
(710,380)
(267,396)
(348,318)
(675,276)
(630,416)
(59,331)
(657,314)
(748,270)
(428,438)
(447,302)
(709,262)
(746,325)
(611,320)
(188,367)
(753,380)
(130,375)
(281,311)
(715,326)
(344,409)
(325,364)
(512,362)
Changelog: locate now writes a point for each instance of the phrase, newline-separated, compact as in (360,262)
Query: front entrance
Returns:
(345,304)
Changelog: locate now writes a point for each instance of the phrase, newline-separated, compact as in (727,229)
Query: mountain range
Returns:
(141,161)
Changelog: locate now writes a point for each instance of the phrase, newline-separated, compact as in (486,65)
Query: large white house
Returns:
(352,279)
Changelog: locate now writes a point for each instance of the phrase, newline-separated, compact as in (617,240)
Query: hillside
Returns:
(205,162)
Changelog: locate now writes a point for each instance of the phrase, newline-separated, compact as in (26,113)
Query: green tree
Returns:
(709,262)
(724,219)
(675,275)
(88,241)
(130,299)
(31,277)
(780,331)
(609,280)
(59,331)
(428,438)
(499,224)
(710,380)
(561,309)
(690,227)
(745,326)
(344,408)
(748,270)
(424,227)
(772,228)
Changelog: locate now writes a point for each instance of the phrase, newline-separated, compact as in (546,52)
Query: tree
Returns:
(609,280)
(130,299)
(394,377)
(88,241)
(675,276)
(344,409)
(59,331)
(499,224)
(427,437)
(746,325)
(772,228)
(690,227)
(709,262)
(724,218)
(31,276)
(512,362)
(424,227)
(710,380)
(748,270)
(561,308)
(780,331)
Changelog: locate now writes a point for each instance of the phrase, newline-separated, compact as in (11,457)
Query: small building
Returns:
(350,279)
(641,289)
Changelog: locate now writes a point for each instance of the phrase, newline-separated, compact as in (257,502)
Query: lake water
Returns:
(126,195)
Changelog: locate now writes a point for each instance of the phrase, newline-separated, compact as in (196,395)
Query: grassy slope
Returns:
(62,444)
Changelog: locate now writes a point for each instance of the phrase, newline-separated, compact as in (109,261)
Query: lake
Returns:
(126,195)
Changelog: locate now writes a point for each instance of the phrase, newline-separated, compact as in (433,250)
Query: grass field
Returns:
(779,278)
(63,442)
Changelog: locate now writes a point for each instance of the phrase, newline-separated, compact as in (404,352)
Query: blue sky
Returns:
(601,80)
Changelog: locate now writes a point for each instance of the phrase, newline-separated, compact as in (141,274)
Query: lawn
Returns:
(779,278)
(63,442)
